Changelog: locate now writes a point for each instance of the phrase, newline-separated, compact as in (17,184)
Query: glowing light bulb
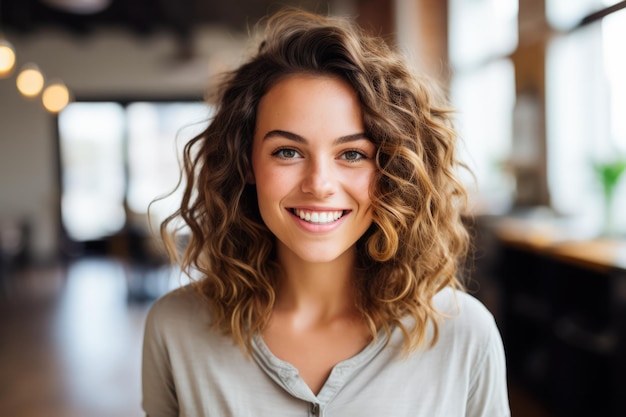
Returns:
(30,81)
(55,97)
(7,58)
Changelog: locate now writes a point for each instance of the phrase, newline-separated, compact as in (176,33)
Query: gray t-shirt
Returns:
(190,370)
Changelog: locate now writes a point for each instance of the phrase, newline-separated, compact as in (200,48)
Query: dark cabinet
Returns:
(563,322)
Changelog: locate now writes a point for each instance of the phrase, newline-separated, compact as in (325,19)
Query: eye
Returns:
(286,153)
(353,156)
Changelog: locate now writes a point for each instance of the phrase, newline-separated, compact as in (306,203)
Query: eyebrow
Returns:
(297,138)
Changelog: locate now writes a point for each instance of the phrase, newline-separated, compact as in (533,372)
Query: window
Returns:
(586,103)
(482,33)
(92,174)
(116,159)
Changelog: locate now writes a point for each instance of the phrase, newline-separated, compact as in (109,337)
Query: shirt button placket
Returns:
(314,409)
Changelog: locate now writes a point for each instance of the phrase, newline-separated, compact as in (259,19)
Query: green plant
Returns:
(609,173)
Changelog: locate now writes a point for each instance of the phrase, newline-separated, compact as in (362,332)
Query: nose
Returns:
(320,179)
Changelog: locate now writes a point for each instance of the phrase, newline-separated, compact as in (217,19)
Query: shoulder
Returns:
(471,341)
(178,310)
(461,306)
(465,318)
(180,299)
(466,363)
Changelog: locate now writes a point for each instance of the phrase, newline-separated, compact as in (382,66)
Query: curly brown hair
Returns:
(416,241)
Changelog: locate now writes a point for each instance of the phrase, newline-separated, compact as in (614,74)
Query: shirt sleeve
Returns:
(158,391)
(488,396)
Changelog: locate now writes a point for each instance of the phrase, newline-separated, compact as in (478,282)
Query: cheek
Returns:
(268,177)
(271,186)
(360,185)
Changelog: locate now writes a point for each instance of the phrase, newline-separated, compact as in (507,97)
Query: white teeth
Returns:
(321,217)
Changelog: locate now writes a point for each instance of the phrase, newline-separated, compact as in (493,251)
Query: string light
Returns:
(55,97)
(30,80)
(7,52)
(7,58)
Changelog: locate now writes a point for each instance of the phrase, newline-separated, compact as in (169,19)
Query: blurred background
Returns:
(98,96)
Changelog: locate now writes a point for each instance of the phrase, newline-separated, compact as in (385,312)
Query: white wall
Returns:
(111,63)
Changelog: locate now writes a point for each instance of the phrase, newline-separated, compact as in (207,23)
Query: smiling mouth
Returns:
(318,217)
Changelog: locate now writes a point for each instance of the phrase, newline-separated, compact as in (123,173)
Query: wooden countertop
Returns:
(546,237)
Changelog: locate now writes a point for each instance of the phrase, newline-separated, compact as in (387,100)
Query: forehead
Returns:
(321,85)
(311,104)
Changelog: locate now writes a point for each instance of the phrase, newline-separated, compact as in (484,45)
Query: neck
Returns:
(318,290)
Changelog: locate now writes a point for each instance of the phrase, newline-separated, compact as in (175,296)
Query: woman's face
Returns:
(313,167)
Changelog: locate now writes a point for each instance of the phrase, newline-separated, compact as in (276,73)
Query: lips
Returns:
(318,217)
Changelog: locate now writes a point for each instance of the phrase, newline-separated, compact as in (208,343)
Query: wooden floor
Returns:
(70,341)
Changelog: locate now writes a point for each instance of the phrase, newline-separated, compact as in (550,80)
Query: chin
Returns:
(313,256)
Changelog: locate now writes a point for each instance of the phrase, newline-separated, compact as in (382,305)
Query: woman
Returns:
(325,231)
